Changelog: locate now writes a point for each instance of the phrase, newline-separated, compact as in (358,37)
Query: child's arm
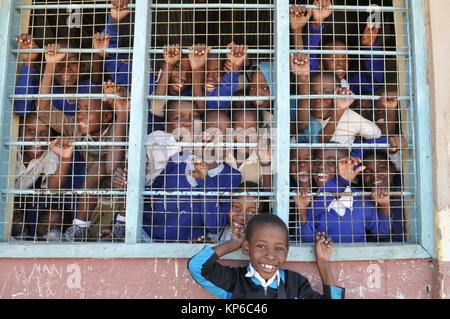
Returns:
(64,149)
(172,56)
(115,154)
(382,199)
(265,160)
(25,83)
(319,15)
(47,113)
(390,103)
(341,105)
(372,77)
(302,202)
(300,68)
(197,60)
(299,17)
(323,250)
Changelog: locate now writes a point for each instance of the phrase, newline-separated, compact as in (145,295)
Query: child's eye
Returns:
(266,88)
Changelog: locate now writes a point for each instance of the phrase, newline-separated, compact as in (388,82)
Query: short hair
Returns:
(264,219)
(251,187)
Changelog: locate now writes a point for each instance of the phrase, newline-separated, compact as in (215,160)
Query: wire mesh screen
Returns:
(210,125)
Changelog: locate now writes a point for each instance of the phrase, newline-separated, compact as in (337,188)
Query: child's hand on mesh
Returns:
(397,143)
(172,54)
(346,168)
(197,58)
(323,247)
(236,58)
(369,35)
(381,196)
(264,151)
(322,12)
(201,239)
(121,102)
(300,64)
(302,200)
(389,100)
(100,41)
(25,41)
(52,53)
(120,9)
(63,148)
(120,178)
(299,17)
(344,103)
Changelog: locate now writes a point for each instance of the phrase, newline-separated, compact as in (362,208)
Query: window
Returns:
(326,125)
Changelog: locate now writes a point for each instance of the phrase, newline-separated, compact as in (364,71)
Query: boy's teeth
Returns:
(268,266)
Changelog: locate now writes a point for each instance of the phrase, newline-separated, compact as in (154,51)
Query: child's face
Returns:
(377,174)
(90,116)
(268,249)
(181,77)
(67,72)
(217,125)
(243,208)
(35,131)
(336,63)
(259,87)
(213,75)
(324,166)
(301,166)
(183,119)
(322,108)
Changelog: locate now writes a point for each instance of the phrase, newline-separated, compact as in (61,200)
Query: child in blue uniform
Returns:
(66,80)
(345,218)
(266,242)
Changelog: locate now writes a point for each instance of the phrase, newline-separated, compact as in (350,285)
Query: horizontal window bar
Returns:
(181,193)
(209,6)
(224,51)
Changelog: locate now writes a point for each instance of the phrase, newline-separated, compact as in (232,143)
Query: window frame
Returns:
(139,98)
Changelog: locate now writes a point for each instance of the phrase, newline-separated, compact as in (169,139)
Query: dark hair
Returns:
(264,219)
(251,187)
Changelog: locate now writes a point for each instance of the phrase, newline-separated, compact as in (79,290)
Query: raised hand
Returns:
(172,54)
(25,41)
(322,12)
(381,196)
(264,151)
(323,247)
(100,41)
(121,103)
(299,17)
(397,143)
(346,168)
(63,147)
(344,102)
(236,57)
(120,178)
(389,100)
(299,64)
(52,53)
(120,9)
(198,56)
(369,35)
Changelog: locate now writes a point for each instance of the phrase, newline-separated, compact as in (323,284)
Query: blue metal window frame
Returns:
(132,248)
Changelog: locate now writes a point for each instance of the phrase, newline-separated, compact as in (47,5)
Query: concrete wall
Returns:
(168,278)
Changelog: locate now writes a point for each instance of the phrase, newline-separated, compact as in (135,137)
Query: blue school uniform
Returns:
(362,82)
(27,83)
(179,218)
(227,87)
(347,225)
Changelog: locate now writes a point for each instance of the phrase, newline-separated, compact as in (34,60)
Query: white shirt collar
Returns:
(253,273)
(342,203)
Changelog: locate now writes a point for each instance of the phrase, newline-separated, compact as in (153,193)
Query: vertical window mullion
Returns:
(138,116)
(282,109)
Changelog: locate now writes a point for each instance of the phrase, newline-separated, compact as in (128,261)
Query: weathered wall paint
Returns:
(169,278)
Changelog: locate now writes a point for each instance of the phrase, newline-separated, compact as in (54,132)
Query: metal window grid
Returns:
(414,97)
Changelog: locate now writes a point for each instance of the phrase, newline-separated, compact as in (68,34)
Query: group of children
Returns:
(210,193)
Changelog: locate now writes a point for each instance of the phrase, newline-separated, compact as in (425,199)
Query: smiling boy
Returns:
(266,242)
